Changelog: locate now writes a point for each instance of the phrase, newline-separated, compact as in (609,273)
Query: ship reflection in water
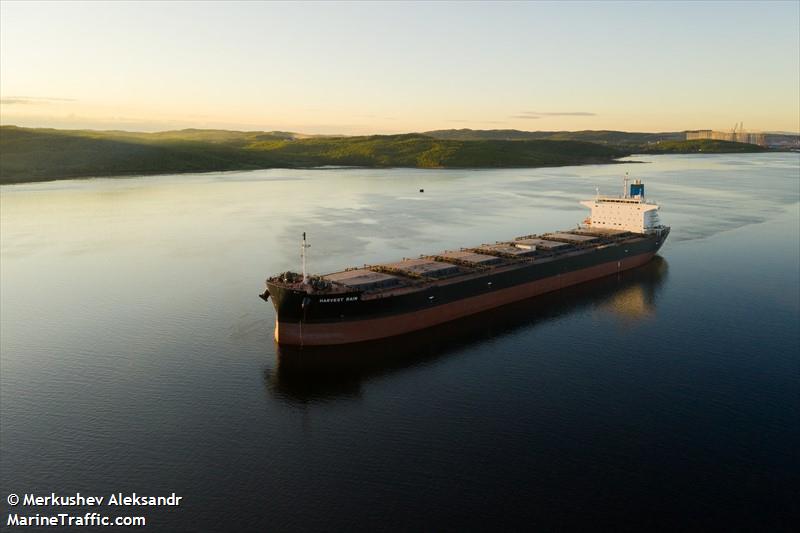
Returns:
(325,373)
(636,300)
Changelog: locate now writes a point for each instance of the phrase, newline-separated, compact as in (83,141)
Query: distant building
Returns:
(739,136)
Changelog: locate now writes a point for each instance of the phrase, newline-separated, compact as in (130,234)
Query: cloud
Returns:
(531,115)
(28,100)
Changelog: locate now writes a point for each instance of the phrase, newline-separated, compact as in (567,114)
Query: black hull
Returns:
(324,318)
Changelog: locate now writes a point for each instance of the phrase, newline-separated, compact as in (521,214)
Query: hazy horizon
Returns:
(381,68)
(128,130)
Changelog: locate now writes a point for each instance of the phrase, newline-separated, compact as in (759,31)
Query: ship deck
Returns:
(454,266)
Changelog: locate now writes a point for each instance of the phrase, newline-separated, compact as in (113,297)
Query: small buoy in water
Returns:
(422,190)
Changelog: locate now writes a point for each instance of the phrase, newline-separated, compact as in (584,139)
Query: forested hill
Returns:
(608,137)
(28,154)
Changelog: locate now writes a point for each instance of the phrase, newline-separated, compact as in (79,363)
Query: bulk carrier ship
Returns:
(385,300)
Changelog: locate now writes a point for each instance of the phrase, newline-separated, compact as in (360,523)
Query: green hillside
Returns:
(707,146)
(621,139)
(45,154)
(630,142)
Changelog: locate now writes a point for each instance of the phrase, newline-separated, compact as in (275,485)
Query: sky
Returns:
(359,68)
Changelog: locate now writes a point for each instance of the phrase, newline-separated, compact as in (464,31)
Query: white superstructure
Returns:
(629,212)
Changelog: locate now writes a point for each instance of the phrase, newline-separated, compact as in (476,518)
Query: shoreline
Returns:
(31,155)
(128,175)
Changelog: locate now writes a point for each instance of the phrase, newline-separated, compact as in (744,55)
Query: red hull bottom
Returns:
(378,328)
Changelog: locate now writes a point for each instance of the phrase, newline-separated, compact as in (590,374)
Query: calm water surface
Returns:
(137,357)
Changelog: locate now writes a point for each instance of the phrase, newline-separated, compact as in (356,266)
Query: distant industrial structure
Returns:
(737,134)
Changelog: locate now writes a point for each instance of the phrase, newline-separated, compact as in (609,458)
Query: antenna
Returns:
(625,186)
(303,248)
